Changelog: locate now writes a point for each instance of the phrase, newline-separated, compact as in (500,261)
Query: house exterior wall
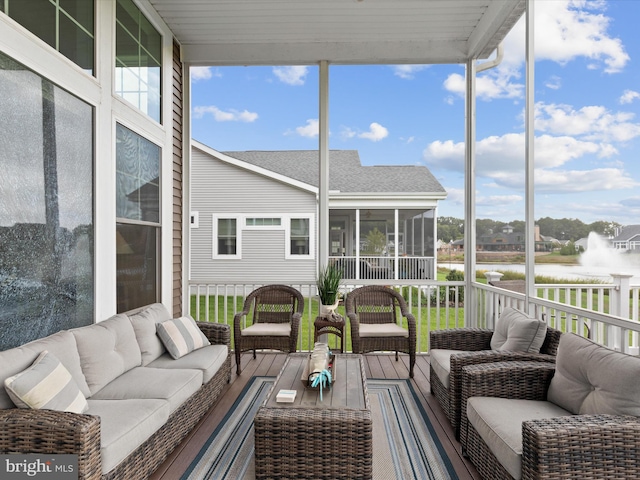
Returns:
(178,185)
(218,188)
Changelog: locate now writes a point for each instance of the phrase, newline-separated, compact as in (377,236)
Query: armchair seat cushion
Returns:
(498,421)
(382,330)
(441,363)
(267,329)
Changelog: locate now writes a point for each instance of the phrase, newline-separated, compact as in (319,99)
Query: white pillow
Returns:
(181,336)
(518,332)
(46,384)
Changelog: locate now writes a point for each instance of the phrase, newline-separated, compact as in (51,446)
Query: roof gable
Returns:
(346,172)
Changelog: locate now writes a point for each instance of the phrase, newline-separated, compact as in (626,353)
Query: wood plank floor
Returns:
(269,364)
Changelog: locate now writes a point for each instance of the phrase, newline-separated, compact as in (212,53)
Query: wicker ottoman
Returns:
(310,438)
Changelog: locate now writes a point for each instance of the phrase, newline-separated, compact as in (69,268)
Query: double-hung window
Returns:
(138,220)
(226,237)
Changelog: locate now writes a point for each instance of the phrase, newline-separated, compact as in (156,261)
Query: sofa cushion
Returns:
(46,384)
(174,385)
(181,336)
(107,350)
(592,379)
(498,421)
(144,324)
(518,332)
(61,344)
(125,425)
(208,359)
(441,363)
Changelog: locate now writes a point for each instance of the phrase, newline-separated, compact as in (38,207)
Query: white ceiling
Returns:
(302,32)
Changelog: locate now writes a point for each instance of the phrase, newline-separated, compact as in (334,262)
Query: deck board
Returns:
(269,364)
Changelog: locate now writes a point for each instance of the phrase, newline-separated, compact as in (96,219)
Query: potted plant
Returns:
(328,284)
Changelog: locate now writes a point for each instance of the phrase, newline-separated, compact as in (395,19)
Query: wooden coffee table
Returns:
(312,438)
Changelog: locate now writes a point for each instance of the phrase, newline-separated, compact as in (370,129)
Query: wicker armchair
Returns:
(593,446)
(474,345)
(372,312)
(273,314)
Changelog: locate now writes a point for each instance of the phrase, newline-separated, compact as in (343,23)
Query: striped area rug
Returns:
(404,448)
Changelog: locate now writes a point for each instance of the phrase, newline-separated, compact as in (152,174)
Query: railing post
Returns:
(618,305)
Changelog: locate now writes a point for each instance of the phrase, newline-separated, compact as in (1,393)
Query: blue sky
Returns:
(587,94)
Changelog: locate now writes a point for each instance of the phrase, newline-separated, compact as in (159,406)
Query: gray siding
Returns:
(217,188)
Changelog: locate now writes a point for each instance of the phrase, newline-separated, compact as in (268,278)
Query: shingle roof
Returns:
(346,172)
(628,232)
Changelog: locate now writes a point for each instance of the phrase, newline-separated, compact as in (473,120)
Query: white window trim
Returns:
(286,220)
(239,222)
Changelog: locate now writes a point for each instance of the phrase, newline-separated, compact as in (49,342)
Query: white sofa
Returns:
(137,401)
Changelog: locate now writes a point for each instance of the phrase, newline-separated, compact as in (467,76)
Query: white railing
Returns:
(371,267)
(587,310)
(581,309)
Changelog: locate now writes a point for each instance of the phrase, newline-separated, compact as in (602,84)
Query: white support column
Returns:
(396,236)
(470,312)
(530,241)
(186,190)
(323,185)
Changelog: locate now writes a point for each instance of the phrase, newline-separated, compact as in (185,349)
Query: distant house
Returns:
(628,239)
(506,240)
(254,217)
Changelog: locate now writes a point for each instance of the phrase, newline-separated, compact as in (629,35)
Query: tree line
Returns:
(571,229)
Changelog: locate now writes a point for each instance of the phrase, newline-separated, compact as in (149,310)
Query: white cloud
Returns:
(310,130)
(376,133)
(497,200)
(591,122)
(564,31)
(490,85)
(569,29)
(222,116)
(554,83)
(291,75)
(407,72)
(572,181)
(502,157)
(629,96)
(203,73)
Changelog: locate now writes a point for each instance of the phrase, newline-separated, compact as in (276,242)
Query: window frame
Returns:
(214,237)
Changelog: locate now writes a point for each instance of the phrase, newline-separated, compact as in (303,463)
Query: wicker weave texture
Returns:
(475,348)
(314,442)
(570,447)
(376,304)
(48,431)
(268,304)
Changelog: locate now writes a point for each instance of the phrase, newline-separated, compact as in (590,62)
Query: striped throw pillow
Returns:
(46,384)
(181,336)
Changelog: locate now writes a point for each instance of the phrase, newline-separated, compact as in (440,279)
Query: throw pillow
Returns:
(518,332)
(181,336)
(46,384)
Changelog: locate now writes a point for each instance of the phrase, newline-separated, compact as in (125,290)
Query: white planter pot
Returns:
(327,310)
